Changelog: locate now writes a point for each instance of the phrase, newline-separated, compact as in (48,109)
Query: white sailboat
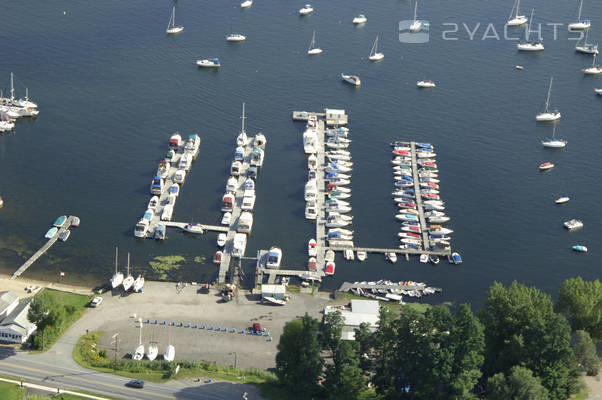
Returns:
(139,284)
(19,102)
(313,50)
(172,28)
(246,4)
(139,352)
(117,278)
(152,351)
(581,24)
(352,79)
(547,115)
(598,91)
(416,24)
(585,47)
(129,280)
(242,139)
(595,69)
(374,54)
(516,20)
(554,143)
(170,351)
(528,45)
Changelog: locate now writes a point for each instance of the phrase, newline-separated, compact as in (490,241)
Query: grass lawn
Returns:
(9,391)
(73,306)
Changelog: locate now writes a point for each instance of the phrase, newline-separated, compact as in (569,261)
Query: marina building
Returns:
(16,328)
(8,302)
(359,311)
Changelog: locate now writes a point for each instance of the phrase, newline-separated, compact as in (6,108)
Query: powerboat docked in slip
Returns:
(239,245)
(311,211)
(360,19)
(330,268)
(217,257)
(312,264)
(361,255)
(174,190)
(310,140)
(235,168)
(456,258)
(311,190)
(167,213)
(391,257)
(257,157)
(306,9)
(426,84)
(179,176)
(573,224)
(245,223)
(312,248)
(274,258)
(160,232)
(260,141)
(352,79)
(236,37)
(231,184)
(312,162)
(141,228)
(194,227)
(157,185)
(248,201)
(209,63)
(226,218)
(227,202)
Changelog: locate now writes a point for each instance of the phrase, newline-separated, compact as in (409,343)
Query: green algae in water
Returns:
(200,259)
(161,265)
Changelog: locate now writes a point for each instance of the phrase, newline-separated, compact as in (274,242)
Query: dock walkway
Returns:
(423,227)
(43,249)
(181,225)
(444,253)
(320,201)
(346,286)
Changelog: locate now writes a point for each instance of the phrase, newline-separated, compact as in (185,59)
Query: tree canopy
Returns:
(520,384)
(585,353)
(581,302)
(45,311)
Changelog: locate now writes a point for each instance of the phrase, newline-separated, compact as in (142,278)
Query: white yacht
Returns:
(515,19)
(226,218)
(236,37)
(352,79)
(274,258)
(311,211)
(310,141)
(416,24)
(391,257)
(360,19)
(209,63)
(361,255)
(595,69)
(242,139)
(313,50)
(426,84)
(6,124)
(239,245)
(117,278)
(25,103)
(585,47)
(374,54)
(306,9)
(172,28)
(562,200)
(527,45)
(581,24)
(573,224)
(548,115)
(553,142)
(311,190)
(246,4)
(248,202)
(245,223)
(312,250)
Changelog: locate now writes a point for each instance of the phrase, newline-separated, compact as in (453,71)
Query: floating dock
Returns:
(320,201)
(416,252)
(210,228)
(261,271)
(43,249)
(419,208)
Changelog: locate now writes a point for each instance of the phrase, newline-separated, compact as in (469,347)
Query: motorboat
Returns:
(330,268)
(274,258)
(170,351)
(581,23)
(236,37)
(139,284)
(248,202)
(231,185)
(338,195)
(152,351)
(360,19)
(239,154)
(527,45)
(170,155)
(440,231)
(311,190)
(64,235)
(51,232)
(310,141)
(260,141)
(175,140)
(246,4)
(434,260)
(406,204)
(236,168)
(573,224)
(456,258)
(416,24)
(245,223)
(312,162)
(336,223)
(391,257)
(334,174)
(580,248)
(311,211)
(174,190)
(227,202)
(546,166)
(361,255)
(306,9)
(257,157)
(434,213)
(338,236)
(172,28)
(209,63)
(339,181)
(598,91)
(179,176)
(341,231)
(312,248)
(424,258)
(352,79)
(226,218)
(160,232)
(217,257)
(194,227)
(60,221)
(519,67)
(141,228)
(438,220)
(595,69)
(331,187)
(348,254)
(411,241)
(426,84)
(6,124)
(562,200)
(515,18)
(312,264)
(167,213)
(329,256)
(408,235)
(156,185)
(153,202)
(313,50)
(239,245)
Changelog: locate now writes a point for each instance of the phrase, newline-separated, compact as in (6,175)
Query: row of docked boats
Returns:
(12,108)
(422,197)
(166,185)
(128,282)
(59,223)
(385,290)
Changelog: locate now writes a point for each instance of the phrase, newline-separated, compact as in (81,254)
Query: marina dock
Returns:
(346,286)
(320,201)
(423,226)
(43,249)
(416,252)
(210,228)
(261,271)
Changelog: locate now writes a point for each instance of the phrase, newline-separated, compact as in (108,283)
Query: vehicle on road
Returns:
(135,383)
(96,302)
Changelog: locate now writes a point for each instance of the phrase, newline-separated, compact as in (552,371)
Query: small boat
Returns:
(352,79)
(424,258)
(174,190)
(306,9)
(51,232)
(274,300)
(580,248)
(313,50)
(239,244)
(562,200)
(348,254)
(361,255)
(75,221)
(170,353)
(246,4)
(274,258)
(153,202)
(172,28)
(311,211)
(312,162)
(152,351)
(175,140)
(167,213)
(139,284)
(329,256)
(595,69)
(227,218)
(217,257)
(434,260)
(160,232)
(573,224)
(416,24)
(194,227)
(179,176)
(157,185)
(374,54)
(248,201)
(519,67)
(360,19)
(391,257)
(60,221)
(438,230)
(257,157)
(312,250)
(456,258)
(236,37)
(227,202)
(598,91)
(221,239)
(310,141)
(546,166)
(426,84)
(527,45)
(260,141)
(310,190)
(516,20)
(330,267)
(581,24)
(312,264)
(64,235)
(138,353)
(209,63)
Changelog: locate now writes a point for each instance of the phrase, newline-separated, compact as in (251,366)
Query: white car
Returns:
(96,302)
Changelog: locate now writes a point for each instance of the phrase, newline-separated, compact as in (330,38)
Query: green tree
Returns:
(581,302)
(585,353)
(332,330)
(344,379)
(364,338)
(521,328)
(520,384)
(298,361)
(44,311)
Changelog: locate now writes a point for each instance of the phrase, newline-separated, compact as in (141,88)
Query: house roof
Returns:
(6,299)
(365,306)
(17,320)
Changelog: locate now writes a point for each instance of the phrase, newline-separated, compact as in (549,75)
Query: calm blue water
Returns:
(112,87)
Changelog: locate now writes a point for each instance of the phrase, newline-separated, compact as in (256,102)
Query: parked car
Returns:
(136,383)
(96,302)
(256,327)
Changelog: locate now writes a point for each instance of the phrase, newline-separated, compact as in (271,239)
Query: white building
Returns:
(275,291)
(335,117)
(16,328)
(361,311)
(8,302)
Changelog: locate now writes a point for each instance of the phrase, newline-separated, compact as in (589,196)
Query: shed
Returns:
(335,117)
(360,311)
(275,291)
(8,302)
(16,328)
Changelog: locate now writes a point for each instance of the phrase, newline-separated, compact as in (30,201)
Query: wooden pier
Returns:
(423,227)
(320,200)
(417,252)
(304,115)
(43,249)
(261,271)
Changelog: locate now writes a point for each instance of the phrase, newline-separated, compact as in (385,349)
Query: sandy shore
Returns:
(18,286)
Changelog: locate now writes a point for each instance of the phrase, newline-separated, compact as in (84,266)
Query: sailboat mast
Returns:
(128,264)
(415,10)
(12,87)
(313,39)
(140,334)
(529,26)
(243,117)
(580,6)
(517,6)
(116,250)
(549,92)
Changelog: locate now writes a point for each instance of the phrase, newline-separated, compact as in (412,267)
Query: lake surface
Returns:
(112,88)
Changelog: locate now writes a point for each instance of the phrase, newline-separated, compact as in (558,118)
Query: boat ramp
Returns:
(44,248)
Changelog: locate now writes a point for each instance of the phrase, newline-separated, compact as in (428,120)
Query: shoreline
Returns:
(18,286)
